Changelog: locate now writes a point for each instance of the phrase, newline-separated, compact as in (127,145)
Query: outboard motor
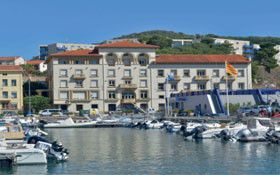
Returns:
(35,139)
(197,130)
(226,135)
(273,136)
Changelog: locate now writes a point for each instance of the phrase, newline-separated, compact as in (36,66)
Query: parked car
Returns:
(50,112)
(245,110)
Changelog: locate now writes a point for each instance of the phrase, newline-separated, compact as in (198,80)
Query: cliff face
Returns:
(271,78)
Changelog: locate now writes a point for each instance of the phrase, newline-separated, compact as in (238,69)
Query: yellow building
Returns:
(11,96)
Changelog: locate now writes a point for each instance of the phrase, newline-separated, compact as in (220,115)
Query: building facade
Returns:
(46,50)
(17,60)
(38,65)
(11,94)
(124,74)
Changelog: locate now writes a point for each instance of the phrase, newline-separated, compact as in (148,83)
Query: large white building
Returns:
(126,74)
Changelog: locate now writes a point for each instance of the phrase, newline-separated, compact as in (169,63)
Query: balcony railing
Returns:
(79,76)
(128,86)
(128,101)
(201,77)
(230,77)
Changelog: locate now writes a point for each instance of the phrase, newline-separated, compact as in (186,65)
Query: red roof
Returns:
(126,44)
(168,58)
(10,67)
(34,62)
(77,53)
(9,58)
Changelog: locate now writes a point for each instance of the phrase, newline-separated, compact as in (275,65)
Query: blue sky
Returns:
(24,25)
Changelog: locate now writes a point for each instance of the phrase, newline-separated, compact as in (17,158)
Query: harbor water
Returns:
(132,151)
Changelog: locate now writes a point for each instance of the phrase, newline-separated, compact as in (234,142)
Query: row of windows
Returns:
(186,73)
(200,86)
(95,95)
(111,72)
(5,94)
(110,62)
(94,83)
(6,83)
(12,105)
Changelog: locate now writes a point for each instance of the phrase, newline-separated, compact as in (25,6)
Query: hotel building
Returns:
(11,95)
(125,74)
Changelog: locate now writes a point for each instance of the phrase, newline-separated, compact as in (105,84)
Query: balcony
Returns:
(143,99)
(230,77)
(5,99)
(201,78)
(176,77)
(127,77)
(128,101)
(79,76)
(112,99)
(128,86)
(80,100)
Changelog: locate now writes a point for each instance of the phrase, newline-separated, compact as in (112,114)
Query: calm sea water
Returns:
(131,151)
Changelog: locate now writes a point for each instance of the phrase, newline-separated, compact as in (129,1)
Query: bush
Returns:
(20,113)
(188,110)
(176,111)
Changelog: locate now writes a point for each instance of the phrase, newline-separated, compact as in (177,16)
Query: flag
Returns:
(230,69)
(169,78)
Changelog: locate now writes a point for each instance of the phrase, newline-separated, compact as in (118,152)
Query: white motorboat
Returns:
(155,124)
(69,123)
(25,154)
(173,127)
(110,120)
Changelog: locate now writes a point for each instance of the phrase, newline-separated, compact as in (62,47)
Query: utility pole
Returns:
(29,99)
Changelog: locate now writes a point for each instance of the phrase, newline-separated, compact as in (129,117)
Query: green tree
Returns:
(161,41)
(37,102)
(265,56)
(33,87)
(255,69)
(207,40)
(28,68)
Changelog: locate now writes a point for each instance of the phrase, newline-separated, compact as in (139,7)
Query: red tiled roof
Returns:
(34,61)
(77,53)
(10,67)
(168,58)
(126,44)
(9,58)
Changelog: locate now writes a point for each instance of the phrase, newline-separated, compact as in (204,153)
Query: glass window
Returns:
(126,62)
(4,82)
(63,83)
(241,85)
(127,82)
(174,86)
(93,62)
(4,94)
(79,83)
(160,86)
(63,72)
(216,85)
(14,82)
(187,86)
(143,83)
(240,73)
(111,62)
(78,62)
(4,129)
(161,96)
(15,129)
(94,94)
(94,83)
(14,94)
(201,72)
(93,72)
(143,72)
(173,72)
(79,95)
(215,73)
(63,95)
(78,71)
(111,73)
(201,86)
(14,105)
(186,73)
(127,73)
(112,83)
(161,73)
(144,94)
(112,94)
(142,62)
(63,62)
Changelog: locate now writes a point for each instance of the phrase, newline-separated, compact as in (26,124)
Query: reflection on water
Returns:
(133,151)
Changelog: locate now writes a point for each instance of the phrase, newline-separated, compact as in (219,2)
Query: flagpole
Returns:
(227,88)
(167,97)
